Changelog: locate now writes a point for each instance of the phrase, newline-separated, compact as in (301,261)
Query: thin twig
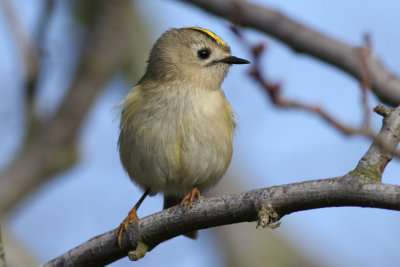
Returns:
(366,80)
(274,91)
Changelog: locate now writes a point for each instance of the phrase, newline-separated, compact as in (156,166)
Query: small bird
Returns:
(176,123)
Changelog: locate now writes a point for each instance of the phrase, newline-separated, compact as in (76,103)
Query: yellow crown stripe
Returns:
(209,33)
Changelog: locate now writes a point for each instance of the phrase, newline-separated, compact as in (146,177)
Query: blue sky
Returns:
(271,146)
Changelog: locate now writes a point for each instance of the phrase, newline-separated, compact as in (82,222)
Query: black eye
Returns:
(204,53)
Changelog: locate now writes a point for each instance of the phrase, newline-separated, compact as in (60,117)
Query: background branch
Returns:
(303,39)
(54,148)
(24,44)
(274,92)
(29,55)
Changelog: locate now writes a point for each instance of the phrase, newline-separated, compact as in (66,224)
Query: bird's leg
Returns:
(194,193)
(132,217)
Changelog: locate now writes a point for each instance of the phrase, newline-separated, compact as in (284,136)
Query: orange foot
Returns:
(132,217)
(190,198)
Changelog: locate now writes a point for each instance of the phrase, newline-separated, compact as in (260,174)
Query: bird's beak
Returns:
(234,60)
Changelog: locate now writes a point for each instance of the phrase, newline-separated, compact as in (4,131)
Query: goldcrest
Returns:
(176,123)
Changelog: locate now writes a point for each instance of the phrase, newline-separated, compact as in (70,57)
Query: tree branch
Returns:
(303,39)
(150,231)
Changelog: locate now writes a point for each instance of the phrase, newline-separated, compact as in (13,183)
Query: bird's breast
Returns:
(181,142)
